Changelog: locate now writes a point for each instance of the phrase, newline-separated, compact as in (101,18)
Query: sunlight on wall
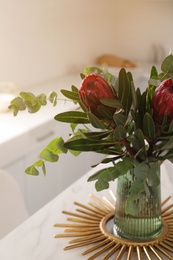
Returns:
(44,39)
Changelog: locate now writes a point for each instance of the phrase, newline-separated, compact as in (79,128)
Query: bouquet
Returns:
(112,117)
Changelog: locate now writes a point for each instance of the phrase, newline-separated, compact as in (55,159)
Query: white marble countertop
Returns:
(34,239)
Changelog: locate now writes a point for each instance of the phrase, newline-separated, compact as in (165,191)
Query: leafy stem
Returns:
(129,149)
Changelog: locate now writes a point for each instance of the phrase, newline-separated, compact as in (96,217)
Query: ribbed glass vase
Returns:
(146,223)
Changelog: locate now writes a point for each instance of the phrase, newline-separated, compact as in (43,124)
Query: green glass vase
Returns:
(144,222)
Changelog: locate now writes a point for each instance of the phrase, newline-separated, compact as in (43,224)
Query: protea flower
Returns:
(162,101)
(92,89)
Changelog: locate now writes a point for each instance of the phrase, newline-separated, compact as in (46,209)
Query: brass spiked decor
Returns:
(89,228)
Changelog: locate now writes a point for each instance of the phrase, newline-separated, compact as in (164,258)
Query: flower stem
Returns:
(129,149)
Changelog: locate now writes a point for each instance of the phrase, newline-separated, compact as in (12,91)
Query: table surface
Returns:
(34,239)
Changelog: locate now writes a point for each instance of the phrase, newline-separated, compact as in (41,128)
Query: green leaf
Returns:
(119,133)
(75,117)
(138,143)
(134,95)
(32,170)
(119,119)
(153,73)
(148,126)
(101,185)
(92,69)
(112,81)
(111,102)
(125,165)
(83,144)
(53,98)
(104,112)
(149,96)
(33,109)
(70,94)
(153,178)
(167,64)
(74,89)
(141,171)
(142,105)
(42,99)
(95,121)
(28,96)
(57,146)
(131,207)
(106,174)
(31,101)
(167,146)
(170,130)
(49,156)
(17,104)
(97,135)
(44,169)
(124,91)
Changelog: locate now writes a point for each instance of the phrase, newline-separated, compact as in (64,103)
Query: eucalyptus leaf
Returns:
(92,69)
(44,169)
(167,64)
(53,97)
(42,99)
(131,207)
(29,97)
(101,185)
(48,155)
(35,108)
(106,174)
(153,178)
(57,146)
(125,165)
(17,104)
(32,170)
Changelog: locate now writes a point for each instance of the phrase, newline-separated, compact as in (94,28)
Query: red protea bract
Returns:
(93,88)
(162,102)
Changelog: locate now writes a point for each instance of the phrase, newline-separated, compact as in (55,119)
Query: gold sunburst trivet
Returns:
(89,227)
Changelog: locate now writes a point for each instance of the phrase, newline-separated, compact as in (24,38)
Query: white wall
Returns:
(42,39)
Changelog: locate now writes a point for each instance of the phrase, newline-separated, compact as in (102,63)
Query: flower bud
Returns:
(92,89)
(162,101)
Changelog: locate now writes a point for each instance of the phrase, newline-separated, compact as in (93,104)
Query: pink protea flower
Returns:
(162,101)
(92,89)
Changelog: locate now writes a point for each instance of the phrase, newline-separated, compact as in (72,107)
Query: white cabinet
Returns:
(16,169)
(38,190)
(41,189)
